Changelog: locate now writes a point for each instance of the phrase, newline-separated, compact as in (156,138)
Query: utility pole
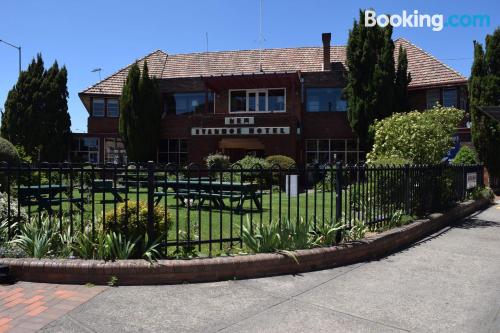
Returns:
(19,51)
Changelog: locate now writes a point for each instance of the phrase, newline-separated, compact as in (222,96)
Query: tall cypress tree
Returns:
(36,112)
(484,90)
(403,79)
(140,115)
(370,78)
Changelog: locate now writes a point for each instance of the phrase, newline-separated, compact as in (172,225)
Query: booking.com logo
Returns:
(416,20)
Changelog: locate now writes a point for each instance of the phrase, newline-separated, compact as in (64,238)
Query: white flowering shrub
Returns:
(418,137)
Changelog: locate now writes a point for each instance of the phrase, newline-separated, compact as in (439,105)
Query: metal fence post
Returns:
(151,205)
(338,191)
(406,194)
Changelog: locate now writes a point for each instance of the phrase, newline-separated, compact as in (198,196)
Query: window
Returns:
(432,98)
(173,151)
(450,97)
(276,100)
(182,103)
(325,100)
(113,108)
(114,151)
(257,100)
(238,101)
(98,107)
(332,150)
(84,149)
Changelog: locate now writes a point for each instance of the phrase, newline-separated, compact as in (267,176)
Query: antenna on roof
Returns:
(261,37)
(206,54)
(97,70)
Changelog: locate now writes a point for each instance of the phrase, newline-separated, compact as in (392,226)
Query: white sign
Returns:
(292,188)
(240,130)
(471,180)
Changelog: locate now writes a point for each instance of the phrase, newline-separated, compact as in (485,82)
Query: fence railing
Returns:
(207,208)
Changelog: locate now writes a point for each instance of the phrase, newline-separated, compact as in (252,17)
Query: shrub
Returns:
(8,152)
(465,156)
(16,216)
(383,160)
(419,137)
(217,161)
(134,225)
(284,162)
(252,163)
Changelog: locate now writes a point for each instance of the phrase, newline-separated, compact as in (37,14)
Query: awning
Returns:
(252,80)
(248,144)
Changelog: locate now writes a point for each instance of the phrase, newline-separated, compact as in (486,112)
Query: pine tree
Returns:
(403,79)
(36,112)
(371,76)
(140,115)
(484,90)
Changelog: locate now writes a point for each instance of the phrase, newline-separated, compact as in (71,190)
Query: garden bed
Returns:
(140,272)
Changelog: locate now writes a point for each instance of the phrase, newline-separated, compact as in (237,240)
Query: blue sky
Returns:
(84,35)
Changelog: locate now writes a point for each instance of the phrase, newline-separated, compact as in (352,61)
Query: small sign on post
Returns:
(292,188)
(471,180)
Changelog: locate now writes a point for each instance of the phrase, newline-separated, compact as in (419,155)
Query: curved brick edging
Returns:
(140,272)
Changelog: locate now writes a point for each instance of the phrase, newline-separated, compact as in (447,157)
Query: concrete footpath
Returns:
(449,282)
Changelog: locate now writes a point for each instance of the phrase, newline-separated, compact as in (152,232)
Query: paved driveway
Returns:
(449,282)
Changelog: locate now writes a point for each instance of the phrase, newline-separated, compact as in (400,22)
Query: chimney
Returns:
(327,37)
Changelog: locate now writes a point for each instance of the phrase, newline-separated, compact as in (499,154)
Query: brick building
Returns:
(275,101)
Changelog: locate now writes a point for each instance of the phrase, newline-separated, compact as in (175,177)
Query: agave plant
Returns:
(357,231)
(328,234)
(151,251)
(84,247)
(119,246)
(35,238)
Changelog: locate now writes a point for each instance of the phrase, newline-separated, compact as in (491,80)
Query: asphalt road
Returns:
(449,282)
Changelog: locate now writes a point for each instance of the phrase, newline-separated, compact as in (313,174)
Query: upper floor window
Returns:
(257,100)
(325,100)
(433,97)
(450,97)
(181,103)
(113,108)
(98,107)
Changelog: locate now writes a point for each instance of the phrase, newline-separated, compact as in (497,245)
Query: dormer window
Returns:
(98,107)
(113,108)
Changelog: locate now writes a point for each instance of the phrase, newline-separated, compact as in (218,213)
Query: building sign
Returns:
(471,180)
(240,130)
(239,120)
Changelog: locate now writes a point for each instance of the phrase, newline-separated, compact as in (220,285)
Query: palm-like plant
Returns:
(36,238)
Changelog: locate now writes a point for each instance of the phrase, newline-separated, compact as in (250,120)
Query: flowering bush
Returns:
(419,137)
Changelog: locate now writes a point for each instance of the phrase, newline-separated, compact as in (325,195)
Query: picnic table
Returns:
(213,191)
(46,196)
(104,186)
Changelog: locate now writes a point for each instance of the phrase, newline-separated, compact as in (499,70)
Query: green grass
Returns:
(210,223)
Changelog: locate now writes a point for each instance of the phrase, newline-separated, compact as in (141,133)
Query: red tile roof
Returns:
(424,68)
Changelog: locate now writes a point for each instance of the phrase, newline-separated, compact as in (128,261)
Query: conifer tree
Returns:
(140,115)
(484,90)
(403,79)
(36,112)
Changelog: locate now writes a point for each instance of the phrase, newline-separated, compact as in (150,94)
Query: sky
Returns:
(84,35)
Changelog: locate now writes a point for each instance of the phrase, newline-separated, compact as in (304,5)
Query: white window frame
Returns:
(256,91)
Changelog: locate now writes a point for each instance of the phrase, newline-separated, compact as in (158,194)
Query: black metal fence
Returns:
(206,209)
